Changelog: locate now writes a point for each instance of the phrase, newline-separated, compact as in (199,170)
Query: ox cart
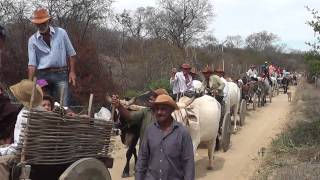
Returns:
(283,83)
(55,146)
(249,94)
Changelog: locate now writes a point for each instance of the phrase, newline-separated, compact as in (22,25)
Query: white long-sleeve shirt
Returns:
(11,149)
(178,83)
(251,72)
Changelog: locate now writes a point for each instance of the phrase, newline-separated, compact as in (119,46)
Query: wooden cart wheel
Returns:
(85,169)
(225,133)
(254,101)
(242,112)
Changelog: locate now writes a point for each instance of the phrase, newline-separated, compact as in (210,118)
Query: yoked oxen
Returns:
(264,90)
(201,116)
(130,133)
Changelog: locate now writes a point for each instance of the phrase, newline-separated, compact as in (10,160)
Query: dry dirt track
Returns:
(241,160)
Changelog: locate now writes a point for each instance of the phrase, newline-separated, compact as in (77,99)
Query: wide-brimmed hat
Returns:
(193,71)
(164,99)
(161,91)
(40,16)
(206,69)
(219,71)
(23,90)
(185,66)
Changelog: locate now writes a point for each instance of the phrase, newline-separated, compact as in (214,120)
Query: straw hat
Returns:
(193,71)
(207,69)
(23,90)
(185,66)
(40,16)
(219,70)
(161,91)
(164,99)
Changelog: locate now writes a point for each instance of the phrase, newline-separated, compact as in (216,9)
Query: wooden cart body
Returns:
(62,147)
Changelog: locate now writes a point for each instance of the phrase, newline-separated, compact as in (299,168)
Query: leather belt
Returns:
(54,69)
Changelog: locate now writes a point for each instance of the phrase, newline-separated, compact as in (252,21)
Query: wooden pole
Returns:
(90,105)
(23,157)
(222,64)
(62,95)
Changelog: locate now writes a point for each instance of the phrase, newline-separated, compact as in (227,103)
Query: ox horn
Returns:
(131,101)
(108,99)
(190,101)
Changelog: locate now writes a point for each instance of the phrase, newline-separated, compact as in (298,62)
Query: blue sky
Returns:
(286,18)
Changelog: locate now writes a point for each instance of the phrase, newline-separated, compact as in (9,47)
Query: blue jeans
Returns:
(56,80)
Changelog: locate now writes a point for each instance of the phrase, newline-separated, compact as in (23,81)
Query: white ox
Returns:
(232,101)
(201,117)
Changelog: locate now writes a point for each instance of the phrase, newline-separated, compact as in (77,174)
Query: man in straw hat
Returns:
(181,82)
(166,151)
(22,91)
(138,122)
(221,74)
(50,51)
(212,84)
(143,117)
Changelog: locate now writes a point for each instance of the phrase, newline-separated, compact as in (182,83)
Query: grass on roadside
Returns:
(298,147)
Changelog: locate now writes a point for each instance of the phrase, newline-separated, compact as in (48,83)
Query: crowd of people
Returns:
(166,150)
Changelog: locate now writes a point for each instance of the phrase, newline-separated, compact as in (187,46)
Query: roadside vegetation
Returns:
(133,51)
(295,153)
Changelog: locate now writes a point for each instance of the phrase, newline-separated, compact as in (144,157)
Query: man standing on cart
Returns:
(50,51)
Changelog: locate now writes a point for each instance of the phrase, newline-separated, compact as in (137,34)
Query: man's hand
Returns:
(31,72)
(72,78)
(115,101)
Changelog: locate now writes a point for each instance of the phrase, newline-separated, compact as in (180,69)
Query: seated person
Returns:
(48,103)
(22,91)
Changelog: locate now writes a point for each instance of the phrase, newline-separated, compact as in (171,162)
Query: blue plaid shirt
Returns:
(42,56)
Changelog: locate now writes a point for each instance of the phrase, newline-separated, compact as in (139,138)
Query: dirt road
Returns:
(241,160)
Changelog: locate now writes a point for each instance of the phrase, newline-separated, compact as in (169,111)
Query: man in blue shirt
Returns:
(50,51)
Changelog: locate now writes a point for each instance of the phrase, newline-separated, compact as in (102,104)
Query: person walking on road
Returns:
(166,151)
